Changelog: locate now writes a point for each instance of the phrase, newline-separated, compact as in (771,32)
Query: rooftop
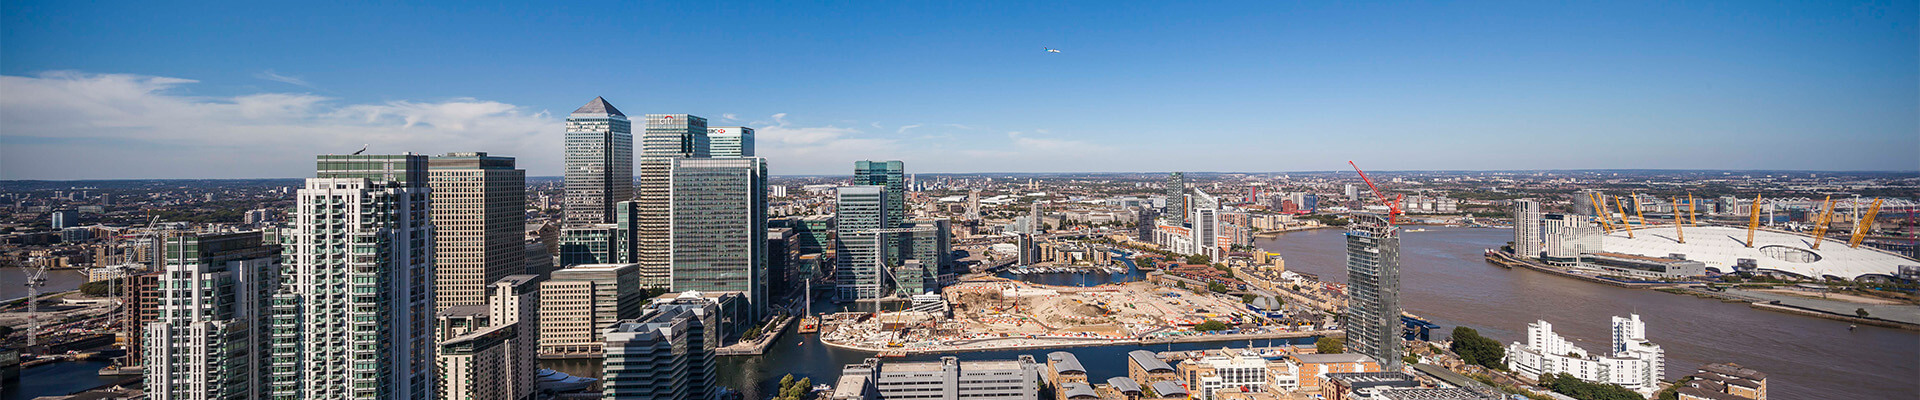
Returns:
(598,106)
(1148,360)
(1064,361)
(1331,358)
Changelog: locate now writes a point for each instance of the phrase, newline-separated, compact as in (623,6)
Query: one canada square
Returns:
(599,162)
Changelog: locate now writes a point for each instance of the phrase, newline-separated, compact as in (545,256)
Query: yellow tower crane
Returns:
(1866,225)
(1626,224)
(1679,234)
(1600,211)
(1820,231)
(1753,221)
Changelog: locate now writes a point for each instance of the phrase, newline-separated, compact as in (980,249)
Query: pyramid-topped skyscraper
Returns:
(599,162)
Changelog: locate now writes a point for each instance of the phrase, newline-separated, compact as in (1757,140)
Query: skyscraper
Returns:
(1526,228)
(861,211)
(1373,289)
(892,175)
(210,339)
(599,162)
(353,318)
(1176,199)
(731,141)
(479,218)
(719,230)
(667,137)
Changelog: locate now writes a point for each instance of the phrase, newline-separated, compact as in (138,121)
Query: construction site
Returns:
(995,314)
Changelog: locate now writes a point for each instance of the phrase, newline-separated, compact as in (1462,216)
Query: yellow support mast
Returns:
(1628,224)
(1753,221)
(1600,211)
(1820,231)
(1866,225)
(1677,222)
(1692,216)
(1637,206)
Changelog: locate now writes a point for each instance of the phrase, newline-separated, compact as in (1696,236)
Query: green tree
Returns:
(99,288)
(1216,287)
(1583,390)
(1210,325)
(1200,259)
(1330,345)
(1248,298)
(1477,350)
(1862,312)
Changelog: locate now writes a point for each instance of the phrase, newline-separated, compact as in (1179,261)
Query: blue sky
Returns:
(254,89)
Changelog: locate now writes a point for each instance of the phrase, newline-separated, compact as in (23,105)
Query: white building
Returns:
(1635,363)
(353,319)
(1235,373)
(1567,237)
(209,340)
(1526,228)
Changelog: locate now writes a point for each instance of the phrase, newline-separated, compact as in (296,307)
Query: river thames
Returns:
(1444,279)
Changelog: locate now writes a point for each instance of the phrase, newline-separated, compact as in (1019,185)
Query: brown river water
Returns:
(1445,280)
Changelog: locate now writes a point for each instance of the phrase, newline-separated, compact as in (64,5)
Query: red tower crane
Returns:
(1393,207)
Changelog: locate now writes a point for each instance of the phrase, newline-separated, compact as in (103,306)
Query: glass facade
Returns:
(719,232)
(599,162)
(1373,289)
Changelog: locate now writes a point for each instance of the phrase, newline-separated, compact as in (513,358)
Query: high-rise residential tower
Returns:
(730,141)
(479,218)
(599,162)
(1526,229)
(667,137)
(860,213)
(210,339)
(1373,289)
(353,318)
(1176,199)
(719,232)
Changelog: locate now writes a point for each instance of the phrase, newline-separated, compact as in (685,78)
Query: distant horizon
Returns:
(911,172)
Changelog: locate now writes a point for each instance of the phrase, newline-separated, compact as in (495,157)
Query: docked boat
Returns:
(559,382)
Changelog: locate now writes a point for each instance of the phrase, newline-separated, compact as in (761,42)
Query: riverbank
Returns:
(1446,278)
(1692,289)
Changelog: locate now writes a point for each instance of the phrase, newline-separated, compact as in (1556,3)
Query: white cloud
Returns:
(68,125)
(903,129)
(271,76)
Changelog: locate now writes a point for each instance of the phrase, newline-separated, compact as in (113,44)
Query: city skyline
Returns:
(1662,86)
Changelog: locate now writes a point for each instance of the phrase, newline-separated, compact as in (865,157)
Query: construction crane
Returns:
(1820,231)
(880,256)
(35,279)
(1753,221)
(1624,222)
(1679,234)
(1600,211)
(1866,224)
(1393,207)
